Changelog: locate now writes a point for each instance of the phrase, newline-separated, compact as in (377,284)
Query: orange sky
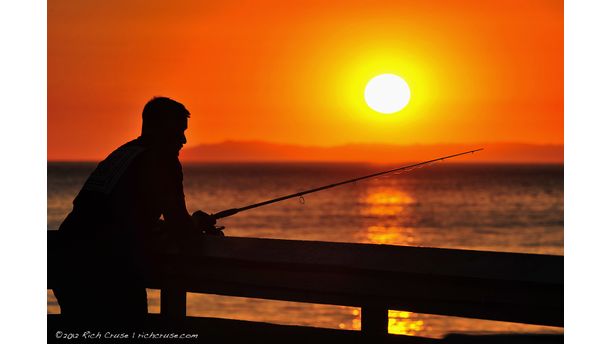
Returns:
(294,71)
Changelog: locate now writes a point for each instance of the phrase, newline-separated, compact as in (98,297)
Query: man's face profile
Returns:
(182,138)
(176,137)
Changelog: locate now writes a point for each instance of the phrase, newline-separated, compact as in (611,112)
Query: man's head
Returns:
(165,121)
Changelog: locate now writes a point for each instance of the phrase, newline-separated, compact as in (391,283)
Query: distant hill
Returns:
(243,151)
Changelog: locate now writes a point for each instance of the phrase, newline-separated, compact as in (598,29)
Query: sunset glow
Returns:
(283,72)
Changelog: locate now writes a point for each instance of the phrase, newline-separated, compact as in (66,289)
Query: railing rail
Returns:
(514,287)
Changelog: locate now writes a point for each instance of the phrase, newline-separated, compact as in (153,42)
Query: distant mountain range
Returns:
(245,151)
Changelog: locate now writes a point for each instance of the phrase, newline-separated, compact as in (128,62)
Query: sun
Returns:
(387,93)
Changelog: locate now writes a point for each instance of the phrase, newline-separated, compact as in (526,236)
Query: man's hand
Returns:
(203,220)
(206,222)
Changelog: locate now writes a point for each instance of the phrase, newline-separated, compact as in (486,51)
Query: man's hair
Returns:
(162,113)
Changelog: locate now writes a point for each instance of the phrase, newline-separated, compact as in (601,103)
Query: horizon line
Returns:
(186,162)
(265,151)
(478,143)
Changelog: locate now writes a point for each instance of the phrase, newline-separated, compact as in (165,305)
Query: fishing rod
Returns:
(233,211)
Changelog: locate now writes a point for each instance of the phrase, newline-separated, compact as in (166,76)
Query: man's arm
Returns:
(175,212)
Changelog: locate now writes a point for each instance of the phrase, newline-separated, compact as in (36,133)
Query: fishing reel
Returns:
(206,223)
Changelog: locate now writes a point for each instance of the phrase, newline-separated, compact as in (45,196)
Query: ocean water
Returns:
(513,208)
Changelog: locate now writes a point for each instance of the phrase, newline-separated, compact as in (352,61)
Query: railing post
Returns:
(173,302)
(374,320)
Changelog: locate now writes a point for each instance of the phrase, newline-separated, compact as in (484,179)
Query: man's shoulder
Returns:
(110,170)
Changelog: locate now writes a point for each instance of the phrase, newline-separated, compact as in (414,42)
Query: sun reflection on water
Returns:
(390,235)
(387,209)
(402,322)
(386,202)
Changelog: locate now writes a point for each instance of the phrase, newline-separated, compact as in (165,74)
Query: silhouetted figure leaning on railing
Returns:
(116,215)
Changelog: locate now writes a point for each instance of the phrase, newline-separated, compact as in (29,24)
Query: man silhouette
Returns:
(115,215)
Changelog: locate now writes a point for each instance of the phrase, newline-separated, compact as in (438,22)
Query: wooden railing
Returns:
(513,287)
